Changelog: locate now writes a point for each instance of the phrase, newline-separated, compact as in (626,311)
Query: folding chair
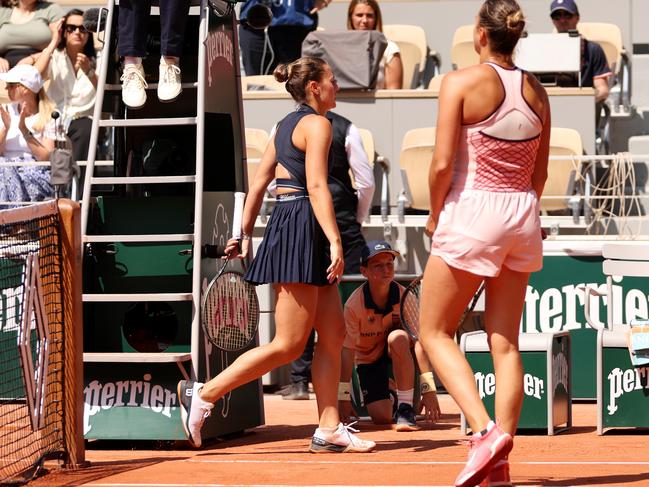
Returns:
(622,390)
(462,51)
(560,185)
(415,158)
(262,82)
(609,36)
(419,62)
(256,142)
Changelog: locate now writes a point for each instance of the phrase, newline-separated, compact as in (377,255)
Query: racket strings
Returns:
(231,312)
(410,309)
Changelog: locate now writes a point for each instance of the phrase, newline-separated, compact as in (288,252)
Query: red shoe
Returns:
(484,453)
(499,476)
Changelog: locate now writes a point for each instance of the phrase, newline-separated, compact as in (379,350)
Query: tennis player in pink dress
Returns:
(486,178)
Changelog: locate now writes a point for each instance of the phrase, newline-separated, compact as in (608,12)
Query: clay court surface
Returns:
(276,455)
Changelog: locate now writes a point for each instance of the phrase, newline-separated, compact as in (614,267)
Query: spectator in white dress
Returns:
(26,135)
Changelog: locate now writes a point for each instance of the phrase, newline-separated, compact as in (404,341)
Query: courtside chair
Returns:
(384,166)
(256,142)
(261,82)
(622,396)
(609,36)
(560,185)
(462,51)
(415,158)
(436,83)
(419,62)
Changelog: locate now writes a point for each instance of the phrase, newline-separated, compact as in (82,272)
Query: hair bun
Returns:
(281,73)
(515,21)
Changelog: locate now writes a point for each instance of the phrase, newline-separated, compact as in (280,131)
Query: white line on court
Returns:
(332,462)
(242,485)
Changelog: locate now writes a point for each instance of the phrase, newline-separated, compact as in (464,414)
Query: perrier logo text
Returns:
(622,381)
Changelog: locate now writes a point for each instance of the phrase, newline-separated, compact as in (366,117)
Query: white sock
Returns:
(487,429)
(204,403)
(327,431)
(405,396)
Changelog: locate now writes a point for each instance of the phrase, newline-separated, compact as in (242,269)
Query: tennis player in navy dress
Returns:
(301,255)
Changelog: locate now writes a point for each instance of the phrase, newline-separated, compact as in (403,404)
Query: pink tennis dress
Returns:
(491,213)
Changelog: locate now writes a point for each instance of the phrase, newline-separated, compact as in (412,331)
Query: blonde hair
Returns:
(504,22)
(373,4)
(296,75)
(45,109)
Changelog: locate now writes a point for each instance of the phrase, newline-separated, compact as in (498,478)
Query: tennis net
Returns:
(33,341)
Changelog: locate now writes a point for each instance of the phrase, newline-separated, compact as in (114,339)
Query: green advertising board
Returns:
(546,381)
(555,302)
(624,391)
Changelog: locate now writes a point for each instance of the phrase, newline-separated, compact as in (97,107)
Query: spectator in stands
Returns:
(281,42)
(351,207)
(26,134)
(24,29)
(68,62)
(366,15)
(132,40)
(595,71)
(375,341)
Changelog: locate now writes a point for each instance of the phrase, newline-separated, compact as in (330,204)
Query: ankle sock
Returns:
(487,429)
(405,396)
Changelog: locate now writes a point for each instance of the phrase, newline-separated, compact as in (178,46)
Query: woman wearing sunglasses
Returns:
(24,29)
(69,63)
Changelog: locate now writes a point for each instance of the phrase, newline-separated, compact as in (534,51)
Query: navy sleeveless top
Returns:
(290,157)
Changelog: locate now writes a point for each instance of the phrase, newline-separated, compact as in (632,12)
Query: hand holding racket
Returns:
(230,310)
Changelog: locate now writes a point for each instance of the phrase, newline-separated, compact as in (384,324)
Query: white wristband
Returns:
(427,383)
(344,391)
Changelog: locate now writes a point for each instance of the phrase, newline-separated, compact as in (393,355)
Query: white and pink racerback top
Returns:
(498,153)
(490,217)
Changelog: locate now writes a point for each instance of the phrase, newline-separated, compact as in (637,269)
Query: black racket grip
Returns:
(212,251)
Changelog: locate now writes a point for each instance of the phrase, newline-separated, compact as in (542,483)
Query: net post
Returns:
(70,228)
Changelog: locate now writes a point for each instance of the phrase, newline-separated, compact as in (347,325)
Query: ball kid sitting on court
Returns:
(374,340)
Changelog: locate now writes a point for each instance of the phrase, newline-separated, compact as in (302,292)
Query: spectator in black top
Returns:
(595,71)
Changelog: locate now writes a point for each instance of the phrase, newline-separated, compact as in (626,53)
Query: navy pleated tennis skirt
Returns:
(294,248)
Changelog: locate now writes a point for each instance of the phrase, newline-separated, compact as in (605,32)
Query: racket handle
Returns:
(212,251)
(237,217)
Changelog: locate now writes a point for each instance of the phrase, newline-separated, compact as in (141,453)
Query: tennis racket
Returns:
(410,307)
(230,309)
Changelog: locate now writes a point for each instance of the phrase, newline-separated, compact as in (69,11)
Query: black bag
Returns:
(353,55)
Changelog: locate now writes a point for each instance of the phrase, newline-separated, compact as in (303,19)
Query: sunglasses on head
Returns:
(70,28)
(561,14)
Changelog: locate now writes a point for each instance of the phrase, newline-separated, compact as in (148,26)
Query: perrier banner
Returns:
(555,302)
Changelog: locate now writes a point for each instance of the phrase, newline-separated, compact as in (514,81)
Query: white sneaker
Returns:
(169,86)
(340,441)
(193,410)
(133,86)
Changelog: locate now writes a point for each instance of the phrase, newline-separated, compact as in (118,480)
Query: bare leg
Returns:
(293,322)
(325,371)
(380,411)
(403,365)
(505,297)
(447,292)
